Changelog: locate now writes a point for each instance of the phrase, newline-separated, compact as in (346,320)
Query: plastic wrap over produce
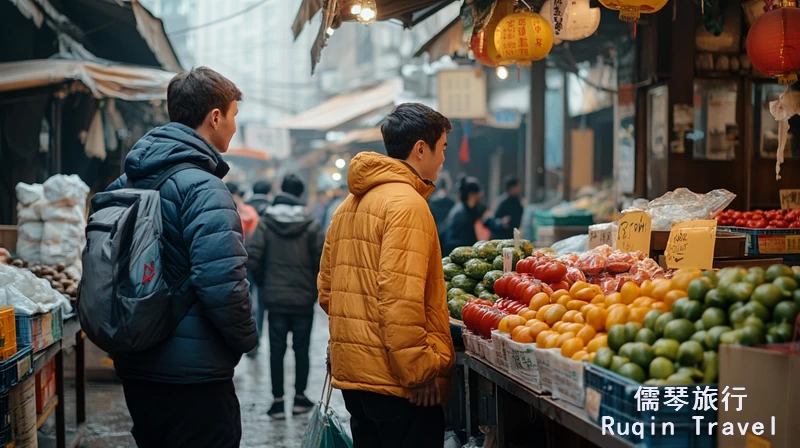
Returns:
(573,244)
(29,294)
(684,205)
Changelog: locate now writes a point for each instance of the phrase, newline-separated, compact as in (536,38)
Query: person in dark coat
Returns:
(508,214)
(260,199)
(463,217)
(284,260)
(441,204)
(180,393)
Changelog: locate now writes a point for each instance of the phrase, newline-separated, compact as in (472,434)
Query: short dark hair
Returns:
(262,187)
(233,189)
(293,185)
(510,182)
(409,123)
(191,95)
(468,185)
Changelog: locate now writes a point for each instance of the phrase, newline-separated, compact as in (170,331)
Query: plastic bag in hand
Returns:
(324,430)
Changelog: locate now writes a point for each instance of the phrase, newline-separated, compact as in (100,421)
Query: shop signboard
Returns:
(462,93)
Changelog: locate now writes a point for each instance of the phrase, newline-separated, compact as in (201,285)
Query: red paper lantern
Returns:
(773,44)
(482,43)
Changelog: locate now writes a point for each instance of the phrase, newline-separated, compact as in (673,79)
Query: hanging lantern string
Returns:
(768,5)
(527,5)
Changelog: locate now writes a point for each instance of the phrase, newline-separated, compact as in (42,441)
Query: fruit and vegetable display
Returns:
(471,272)
(760,219)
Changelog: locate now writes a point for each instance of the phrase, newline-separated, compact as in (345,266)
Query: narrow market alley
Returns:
(109,422)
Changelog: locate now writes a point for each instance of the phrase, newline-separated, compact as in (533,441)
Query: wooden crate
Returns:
(728,245)
(8,238)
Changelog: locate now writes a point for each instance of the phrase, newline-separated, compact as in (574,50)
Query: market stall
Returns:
(39,274)
(594,340)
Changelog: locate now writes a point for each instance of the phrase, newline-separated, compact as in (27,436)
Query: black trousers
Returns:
(279,327)
(194,415)
(382,421)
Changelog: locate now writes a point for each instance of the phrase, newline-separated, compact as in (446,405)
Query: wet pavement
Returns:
(109,423)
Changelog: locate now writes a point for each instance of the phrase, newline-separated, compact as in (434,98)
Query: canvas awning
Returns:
(343,109)
(114,81)
(446,42)
(409,12)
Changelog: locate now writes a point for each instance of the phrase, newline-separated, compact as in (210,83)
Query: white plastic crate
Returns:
(522,363)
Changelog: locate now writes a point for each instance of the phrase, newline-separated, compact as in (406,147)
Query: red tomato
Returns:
(737,215)
(511,288)
(758,211)
(748,215)
(559,286)
(794,225)
(520,289)
(530,291)
(758,224)
(781,224)
(501,286)
(791,216)
(551,273)
(740,223)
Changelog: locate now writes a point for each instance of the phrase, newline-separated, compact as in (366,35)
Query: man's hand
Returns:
(506,221)
(426,394)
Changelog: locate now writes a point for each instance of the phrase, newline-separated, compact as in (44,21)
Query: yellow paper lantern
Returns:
(630,10)
(524,37)
(482,43)
(572,20)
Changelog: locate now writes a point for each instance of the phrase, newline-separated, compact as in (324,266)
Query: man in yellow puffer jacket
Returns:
(381,283)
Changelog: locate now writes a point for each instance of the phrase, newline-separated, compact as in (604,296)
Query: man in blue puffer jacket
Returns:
(180,393)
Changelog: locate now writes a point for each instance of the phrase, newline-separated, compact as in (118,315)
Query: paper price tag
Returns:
(508,259)
(600,234)
(593,399)
(517,237)
(790,199)
(691,244)
(634,232)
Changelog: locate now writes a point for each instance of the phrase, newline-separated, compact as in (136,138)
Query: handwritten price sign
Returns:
(691,244)
(600,234)
(634,232)
(790,199)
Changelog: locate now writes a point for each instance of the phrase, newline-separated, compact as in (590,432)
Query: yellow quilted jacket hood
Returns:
(382,285)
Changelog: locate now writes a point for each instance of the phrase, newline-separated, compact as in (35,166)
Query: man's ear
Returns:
(419,148)
(215,117)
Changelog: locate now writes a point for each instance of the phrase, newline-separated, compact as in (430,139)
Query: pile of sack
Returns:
(51,221)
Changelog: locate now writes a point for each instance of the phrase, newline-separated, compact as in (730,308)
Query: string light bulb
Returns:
(355,9)
(502,72)
(336,177)
(340,163)
(368,13)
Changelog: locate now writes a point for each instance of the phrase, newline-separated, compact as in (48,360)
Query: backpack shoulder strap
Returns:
(160,180)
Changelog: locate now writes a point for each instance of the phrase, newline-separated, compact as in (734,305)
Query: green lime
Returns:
(751,335)
(796,297)
(768,295)
(626,350)
(631,328)
(754,278)
(699,287)
(796,270)
(730,337)
(633,371)
(713,299)
(700,336)
(603,357)
(617,362)
(778,270)
(661,368)
(758,309)
(713,317)
(698,325)
(731,275)
(737,317)
(754,321)
(785,311)
(667,348)
(662,322)
(787,284)
(710,367)
(740,292)
(711,275)
(646,335)
(678,308)
(694,372)
(642,354)
(679,379)
(690,353)
(651,317)
(616,337)
(712,337)
(655,382)
(784,332)
(693,310)
(734,307)
(679,329)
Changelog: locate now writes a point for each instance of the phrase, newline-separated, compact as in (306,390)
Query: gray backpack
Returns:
(124,303)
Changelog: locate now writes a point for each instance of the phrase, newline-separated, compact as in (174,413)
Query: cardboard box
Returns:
(772,382)
(8,238)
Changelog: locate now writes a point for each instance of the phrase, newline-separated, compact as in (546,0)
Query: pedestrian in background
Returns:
(284,258)
(508,214)
(441,203)
(465,216)
(180,393)
(246,213)
(260,199)
(381,282)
